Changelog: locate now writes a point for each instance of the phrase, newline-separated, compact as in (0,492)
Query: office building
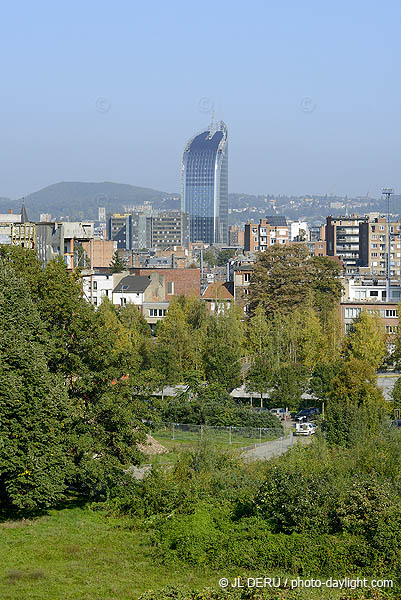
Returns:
(168,228)
(205,185)
(119,229)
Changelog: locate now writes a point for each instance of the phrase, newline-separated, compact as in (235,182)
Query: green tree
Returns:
(366,340)
(281,278)
(34,406)
(259,338)
(355,405)
(259,377)
(209,257)
(117,264)
(93,354)
(284,277)
(174,351)
(224,256)
(223,348)
(289,382)
(396,394)
(312,342)
(326,285)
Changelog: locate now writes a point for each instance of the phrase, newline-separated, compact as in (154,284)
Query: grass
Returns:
(78,554)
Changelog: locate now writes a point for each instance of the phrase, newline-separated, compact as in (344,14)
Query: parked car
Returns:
(396,423)
(280,413)
(307,414)
(305,428)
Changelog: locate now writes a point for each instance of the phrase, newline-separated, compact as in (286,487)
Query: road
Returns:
(267,450)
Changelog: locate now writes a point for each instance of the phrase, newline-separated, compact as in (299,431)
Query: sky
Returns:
(111,91)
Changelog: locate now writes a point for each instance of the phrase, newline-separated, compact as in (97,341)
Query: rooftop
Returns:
(132,283)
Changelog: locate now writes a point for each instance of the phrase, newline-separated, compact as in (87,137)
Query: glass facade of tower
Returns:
(205,185)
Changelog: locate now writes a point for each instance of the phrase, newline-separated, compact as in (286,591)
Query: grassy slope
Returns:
(77,554)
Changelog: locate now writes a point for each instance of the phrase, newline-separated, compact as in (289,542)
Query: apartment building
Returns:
(387,311)
(346,238)
(99,252)
(270,230)
(376,245)
(241,273)
(369,290)
(236,236)
(317,248)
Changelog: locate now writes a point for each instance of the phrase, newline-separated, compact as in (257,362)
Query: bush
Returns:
(215,407)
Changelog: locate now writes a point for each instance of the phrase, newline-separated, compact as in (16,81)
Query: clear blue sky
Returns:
(111,91)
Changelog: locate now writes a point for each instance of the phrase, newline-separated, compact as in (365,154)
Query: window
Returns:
(123,301)
(170,288)
(95,301)
(151,312)
(352,312)
(391,329)
(247,277)
(390,312)
(95,285)
(373,293)
(246,292)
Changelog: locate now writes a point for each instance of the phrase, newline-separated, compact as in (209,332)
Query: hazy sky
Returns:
(111,91)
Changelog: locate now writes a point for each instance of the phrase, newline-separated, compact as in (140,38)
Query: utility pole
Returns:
(387,193)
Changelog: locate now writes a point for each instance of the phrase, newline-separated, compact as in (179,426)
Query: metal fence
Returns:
(241,436)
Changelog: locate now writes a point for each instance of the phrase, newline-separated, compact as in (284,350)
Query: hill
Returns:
(80,200)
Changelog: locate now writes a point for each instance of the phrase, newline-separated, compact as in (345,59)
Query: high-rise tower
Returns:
(205,185)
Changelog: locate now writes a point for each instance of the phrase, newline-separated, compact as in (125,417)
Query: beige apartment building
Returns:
(269,231)
(375,242)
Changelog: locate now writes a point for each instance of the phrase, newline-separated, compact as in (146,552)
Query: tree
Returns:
(366,340)
(289,383)
(91,352)
(174,351)
(259,377)
(117,264)
(224,256)
(259,338)
(322,380)
(34,406)
(281,278)
(326,285)
(284,277)
(209,257)
(223,348)
(396,394)
(355,405)
(139,331)
(312,342)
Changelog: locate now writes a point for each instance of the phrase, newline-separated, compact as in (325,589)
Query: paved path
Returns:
(275,447)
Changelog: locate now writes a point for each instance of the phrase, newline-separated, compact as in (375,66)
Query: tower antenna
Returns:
(212,124)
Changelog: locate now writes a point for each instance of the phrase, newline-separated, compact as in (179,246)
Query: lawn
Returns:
(77,554)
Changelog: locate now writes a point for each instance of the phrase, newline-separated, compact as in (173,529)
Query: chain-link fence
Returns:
(237,436)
